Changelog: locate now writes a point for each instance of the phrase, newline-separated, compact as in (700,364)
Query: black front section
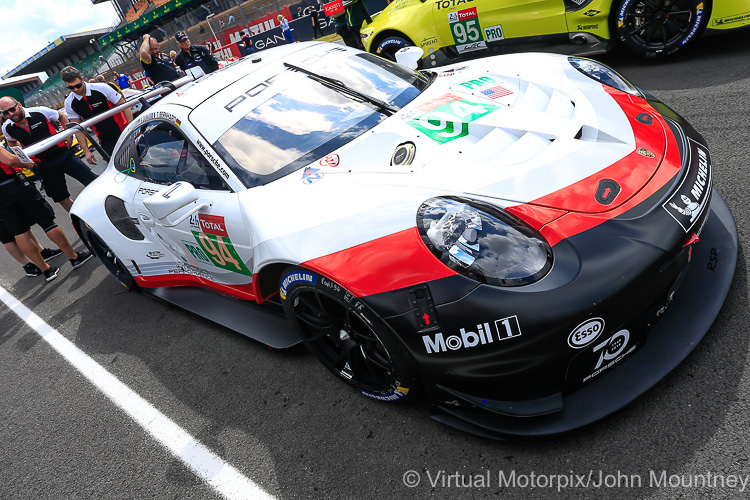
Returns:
(489,354)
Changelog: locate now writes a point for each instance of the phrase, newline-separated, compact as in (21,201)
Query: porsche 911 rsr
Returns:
(446,29)
(529,239)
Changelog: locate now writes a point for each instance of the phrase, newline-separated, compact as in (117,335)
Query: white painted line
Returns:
(221,476)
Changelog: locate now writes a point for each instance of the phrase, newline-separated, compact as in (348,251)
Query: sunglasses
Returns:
(10,110)
(75,87)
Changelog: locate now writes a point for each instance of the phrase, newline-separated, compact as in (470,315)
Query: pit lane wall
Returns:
(265,31)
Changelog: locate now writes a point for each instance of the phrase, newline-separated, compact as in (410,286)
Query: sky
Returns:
(30,25)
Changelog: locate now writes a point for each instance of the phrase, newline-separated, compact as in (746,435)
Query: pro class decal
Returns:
(450,121)
(294,278)
(494,33)
(691,198)
(483,334)
(467,34)
(488,87)
(211,234)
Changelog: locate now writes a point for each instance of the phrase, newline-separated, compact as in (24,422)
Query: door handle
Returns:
(147,220)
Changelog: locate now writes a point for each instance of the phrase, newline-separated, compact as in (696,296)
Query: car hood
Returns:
(532,130)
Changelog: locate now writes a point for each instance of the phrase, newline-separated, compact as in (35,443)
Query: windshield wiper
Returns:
(341,88)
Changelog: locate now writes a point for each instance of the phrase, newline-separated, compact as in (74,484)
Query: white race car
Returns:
(530,239)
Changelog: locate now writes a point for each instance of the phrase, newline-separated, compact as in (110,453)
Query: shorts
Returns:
(5,235)
(21,207)
(53,170)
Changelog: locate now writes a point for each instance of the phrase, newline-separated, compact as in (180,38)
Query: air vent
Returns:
(118,216)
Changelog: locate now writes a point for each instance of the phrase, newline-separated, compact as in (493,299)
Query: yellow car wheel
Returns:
(389,43)
(660,28)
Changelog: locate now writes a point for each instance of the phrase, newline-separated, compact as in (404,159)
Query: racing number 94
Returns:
(221,252)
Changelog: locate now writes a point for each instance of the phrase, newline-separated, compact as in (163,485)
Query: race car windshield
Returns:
(308,120)
(338,86)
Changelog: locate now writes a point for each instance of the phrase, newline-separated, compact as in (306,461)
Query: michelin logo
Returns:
(692,196)
(505,329)
(293,278)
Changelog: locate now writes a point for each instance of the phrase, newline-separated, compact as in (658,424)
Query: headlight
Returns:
(483,242)
(603,74)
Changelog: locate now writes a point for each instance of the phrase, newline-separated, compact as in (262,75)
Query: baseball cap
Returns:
(180,36)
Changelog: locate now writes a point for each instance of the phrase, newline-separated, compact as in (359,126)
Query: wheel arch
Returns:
(267,279)
(385,34)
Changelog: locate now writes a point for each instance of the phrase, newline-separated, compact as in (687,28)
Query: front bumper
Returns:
(706,284)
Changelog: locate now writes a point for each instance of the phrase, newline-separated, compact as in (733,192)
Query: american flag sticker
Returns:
(495,92)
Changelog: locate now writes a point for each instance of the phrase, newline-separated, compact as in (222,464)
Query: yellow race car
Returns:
(445,29)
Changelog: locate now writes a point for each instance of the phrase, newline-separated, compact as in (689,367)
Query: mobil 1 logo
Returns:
(483,334)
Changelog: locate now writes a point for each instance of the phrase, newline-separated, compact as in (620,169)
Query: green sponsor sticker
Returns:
(451,120)
(220,252)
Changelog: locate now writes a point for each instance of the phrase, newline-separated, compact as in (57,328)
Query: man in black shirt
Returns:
(314,13)
(246,44)
(157,65)
(191,55)
(20,206)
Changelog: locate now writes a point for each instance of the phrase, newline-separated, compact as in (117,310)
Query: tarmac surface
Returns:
(287,425)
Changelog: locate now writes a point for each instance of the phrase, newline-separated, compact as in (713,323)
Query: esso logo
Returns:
(586,333)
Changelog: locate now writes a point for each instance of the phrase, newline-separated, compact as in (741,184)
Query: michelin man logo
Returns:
(690,207)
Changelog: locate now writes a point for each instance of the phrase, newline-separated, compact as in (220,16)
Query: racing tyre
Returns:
(388,46)
(107,257)
(346,336)
(655,28)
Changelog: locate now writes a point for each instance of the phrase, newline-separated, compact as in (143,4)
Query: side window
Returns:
(158,152)
(197,171)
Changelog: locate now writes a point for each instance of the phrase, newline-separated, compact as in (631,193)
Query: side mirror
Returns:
(196,72)
(168,201)
(409,57)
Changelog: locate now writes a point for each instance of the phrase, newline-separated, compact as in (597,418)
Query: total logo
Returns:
(209,224)
(506,328)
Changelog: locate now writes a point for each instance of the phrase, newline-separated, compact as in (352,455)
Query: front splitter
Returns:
(676,334)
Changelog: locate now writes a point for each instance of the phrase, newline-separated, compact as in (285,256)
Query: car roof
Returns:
(193,94)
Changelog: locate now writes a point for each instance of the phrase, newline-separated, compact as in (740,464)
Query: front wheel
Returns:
(107,257)
(388,46)
(346,336)
(655,28)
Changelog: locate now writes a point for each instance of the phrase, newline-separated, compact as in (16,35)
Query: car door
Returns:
(475,24)
(203,235)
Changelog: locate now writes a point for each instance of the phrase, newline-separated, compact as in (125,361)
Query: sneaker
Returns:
(83,256)
(31,269)
(50,253)
(51,273)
